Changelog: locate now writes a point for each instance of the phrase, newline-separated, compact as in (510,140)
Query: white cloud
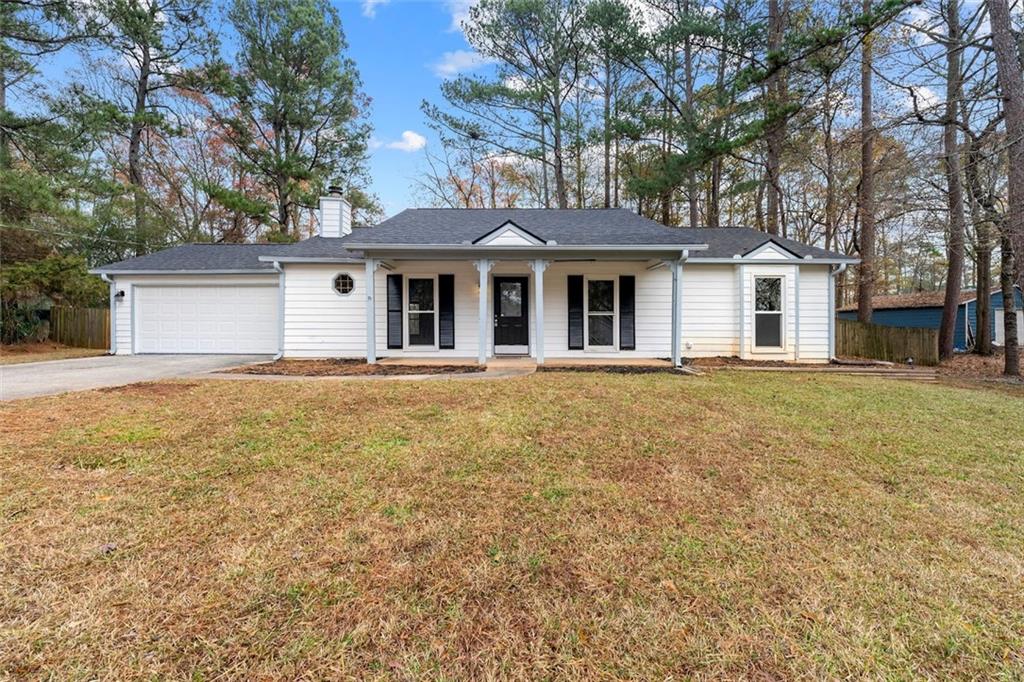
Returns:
(411,142)
(370,7)
(925,96)
(453,63)
(459,9)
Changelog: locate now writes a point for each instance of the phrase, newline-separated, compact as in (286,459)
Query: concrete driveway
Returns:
(59,376)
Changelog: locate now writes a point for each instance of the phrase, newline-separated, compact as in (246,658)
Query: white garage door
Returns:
(206,319)
(1001,331)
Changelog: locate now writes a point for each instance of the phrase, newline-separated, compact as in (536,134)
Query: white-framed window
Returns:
(421,311)
(769,313)
(602,313)
(343,284)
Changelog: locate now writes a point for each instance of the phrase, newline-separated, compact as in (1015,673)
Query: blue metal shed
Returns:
(924,310)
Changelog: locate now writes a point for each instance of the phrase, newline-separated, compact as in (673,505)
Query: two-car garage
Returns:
(196,298)
(221,318)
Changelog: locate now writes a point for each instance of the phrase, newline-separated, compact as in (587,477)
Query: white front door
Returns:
(206,319)
(1001,332)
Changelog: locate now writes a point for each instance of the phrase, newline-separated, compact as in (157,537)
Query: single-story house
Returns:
(480,283)
(924,310)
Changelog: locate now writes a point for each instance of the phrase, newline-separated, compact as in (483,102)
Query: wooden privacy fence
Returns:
(879,342)
(80,327)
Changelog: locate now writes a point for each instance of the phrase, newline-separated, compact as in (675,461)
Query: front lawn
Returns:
(562,525)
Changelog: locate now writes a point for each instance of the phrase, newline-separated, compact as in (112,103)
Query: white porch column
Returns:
(677,267)
(539,266)
(484,266)
(741,273)
(371,311)
(796,321)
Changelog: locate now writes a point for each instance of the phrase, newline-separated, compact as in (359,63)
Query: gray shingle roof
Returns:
(316,247)
(458,226)
(226,257)
(568,227)
(188,257)
(726,242)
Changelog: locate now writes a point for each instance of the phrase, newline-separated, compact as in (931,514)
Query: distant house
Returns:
(924,309)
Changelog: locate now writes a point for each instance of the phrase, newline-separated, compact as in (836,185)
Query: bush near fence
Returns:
(80,327)
(880,342)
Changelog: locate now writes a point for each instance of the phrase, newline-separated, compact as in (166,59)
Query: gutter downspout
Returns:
(832,273)
(280,310)
(113,312)
(677,307)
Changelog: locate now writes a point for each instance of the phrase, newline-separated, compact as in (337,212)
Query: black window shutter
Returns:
(627,312)
(575,312)
(446,310)
(394,311)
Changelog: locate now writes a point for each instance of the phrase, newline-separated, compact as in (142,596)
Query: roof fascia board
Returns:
(554,248)
(251,271)
(774,261)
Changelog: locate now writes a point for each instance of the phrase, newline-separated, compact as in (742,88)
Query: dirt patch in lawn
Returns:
(347,367)
(151,388)
(43,350)
(969,365)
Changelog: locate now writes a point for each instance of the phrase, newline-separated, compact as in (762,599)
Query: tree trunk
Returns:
(831,221)
(955,194)
(1011,351)
(544,163)
(776,128)
(135,151)
(984,215)
(691,173)
(561,193)
(607,130)
(759,206)
(866,198)
(1011,88)
(714,217)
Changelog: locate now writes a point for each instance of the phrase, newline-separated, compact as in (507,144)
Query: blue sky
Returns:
(400,48)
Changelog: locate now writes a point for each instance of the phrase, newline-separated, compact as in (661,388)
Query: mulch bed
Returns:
(607,369)
(349,367)
(719,362)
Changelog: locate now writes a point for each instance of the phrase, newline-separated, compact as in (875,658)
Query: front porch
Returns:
(592,311)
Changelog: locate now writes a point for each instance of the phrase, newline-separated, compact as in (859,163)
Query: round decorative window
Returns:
(344,284)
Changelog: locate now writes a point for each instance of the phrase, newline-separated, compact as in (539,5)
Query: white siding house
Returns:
(547,284)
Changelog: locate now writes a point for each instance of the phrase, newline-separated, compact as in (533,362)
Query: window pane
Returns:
(511,298)
(421,329)
(421,294)
(601,295)
(768,330)
(601,330)
(768,293)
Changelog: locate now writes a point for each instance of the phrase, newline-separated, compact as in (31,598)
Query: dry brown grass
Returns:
(555,526)
(42,351)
